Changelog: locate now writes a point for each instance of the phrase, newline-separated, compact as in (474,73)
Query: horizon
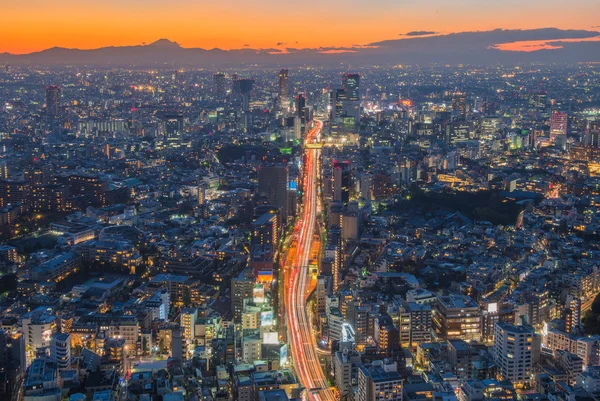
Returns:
(269,24)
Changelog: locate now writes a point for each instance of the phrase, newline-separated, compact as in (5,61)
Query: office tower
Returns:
(341,182)
(300,104)
(53,100)
(513,351)
(459,104)
(60,350)
(283,93)
(173,130)
(244,88)
(220,85)
(3,170)
(377,383)
(351,86)
(242,287)
(265,234)
(558,124)
(336,99)
(272,183)
(457,316)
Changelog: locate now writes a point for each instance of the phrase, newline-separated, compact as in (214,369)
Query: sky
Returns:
(33,25)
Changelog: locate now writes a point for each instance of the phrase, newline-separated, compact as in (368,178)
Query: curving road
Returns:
(300,331)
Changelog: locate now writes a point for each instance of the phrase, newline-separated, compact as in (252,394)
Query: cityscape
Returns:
(372,222)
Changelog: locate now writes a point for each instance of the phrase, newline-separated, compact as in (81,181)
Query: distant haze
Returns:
(548,45)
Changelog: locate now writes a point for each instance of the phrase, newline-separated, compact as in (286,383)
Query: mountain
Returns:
(481,47)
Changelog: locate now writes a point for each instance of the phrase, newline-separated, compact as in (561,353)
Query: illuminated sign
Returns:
(266,318)
(283,355)
(270,338)
(259,293)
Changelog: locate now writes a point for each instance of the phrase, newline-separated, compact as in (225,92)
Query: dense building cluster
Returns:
(151,222)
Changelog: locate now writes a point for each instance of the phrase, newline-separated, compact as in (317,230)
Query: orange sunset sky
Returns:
(31,25)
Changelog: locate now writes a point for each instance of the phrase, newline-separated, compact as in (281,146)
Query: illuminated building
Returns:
(265,234)
(3,170)
(13,192)
(558,124)
(50,198)
(242,287)
(60,350)
(283,92)
(220,85)
(514,352)
(378,384)
(57,268)
(351,85)
(173,130)
(272,183)
(457,317)
(341,182)
(38,329)
(53,100)
(120,253)
(459,105)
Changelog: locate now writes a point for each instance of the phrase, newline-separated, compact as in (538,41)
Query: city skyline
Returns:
(269,25)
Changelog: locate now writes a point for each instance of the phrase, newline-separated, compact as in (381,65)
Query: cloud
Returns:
(418,33)
(246,45)
(280,44)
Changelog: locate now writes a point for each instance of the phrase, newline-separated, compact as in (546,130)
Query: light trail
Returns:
(300,331)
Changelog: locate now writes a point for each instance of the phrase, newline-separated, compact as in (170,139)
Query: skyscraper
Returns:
(558,124)
(53,100)
(341,182)
(272,183)
(351,85)
(459,104)
(284,89)
(220,82)
(300,104)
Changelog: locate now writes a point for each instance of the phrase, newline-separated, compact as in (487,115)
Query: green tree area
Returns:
(591,321)
(481,205)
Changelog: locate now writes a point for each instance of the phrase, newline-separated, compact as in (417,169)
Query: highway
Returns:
(300,331)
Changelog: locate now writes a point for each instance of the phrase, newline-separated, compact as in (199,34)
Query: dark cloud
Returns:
(418,33)
(280,44)
(246,45)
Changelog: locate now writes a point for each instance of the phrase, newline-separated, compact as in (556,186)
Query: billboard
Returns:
(270,337)
(259,293)
(266,318)
(283,355)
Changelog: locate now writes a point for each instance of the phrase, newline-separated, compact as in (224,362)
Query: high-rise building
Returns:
(459,104)
(272,183)
(265,234)
(283,92)
(558,124)
(300,104)
(242,287)
(514,352)
(53,100)
(3,170)
(220,85)
(457,317)
(173,130)
(351,85)
(341,182)
(60,350)
(377,383)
